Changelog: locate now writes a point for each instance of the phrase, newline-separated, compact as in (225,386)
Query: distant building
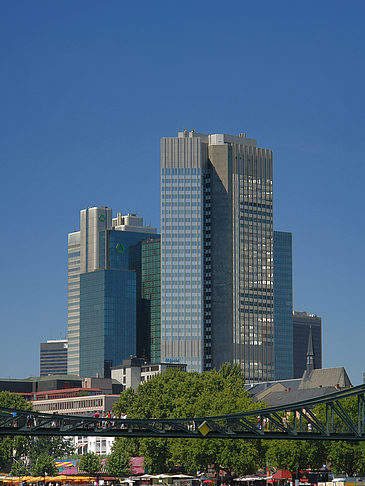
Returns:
(283,305)
(81,405)
(315,384)
(151,295)
(134,371)
(60,386)
(53,357)
(302,323)
(106,321)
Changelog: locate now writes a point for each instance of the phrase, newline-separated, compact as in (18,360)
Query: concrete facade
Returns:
(134,371)
(217,253)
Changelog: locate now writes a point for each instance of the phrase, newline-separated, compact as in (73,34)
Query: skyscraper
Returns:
(305,324)
(105,315)
(283,305)
(217,253)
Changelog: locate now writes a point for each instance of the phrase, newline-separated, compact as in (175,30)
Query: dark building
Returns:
(283,305)
(53,357)
(39,384)
(303,323)
(151,294)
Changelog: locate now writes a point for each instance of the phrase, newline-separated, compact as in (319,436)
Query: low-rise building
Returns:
(82,405)
(134,371)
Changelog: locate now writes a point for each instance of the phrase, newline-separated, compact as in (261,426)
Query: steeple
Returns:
(310,353)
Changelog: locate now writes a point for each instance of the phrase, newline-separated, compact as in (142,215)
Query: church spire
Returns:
(310,353)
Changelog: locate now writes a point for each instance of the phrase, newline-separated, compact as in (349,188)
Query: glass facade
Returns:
(283,305)
(53,357)
(302,322)
(217,253)
(253,271)
(151,295)
(104,267)
(107,320)
(181,254)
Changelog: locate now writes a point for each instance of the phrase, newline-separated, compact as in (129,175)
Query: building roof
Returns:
(286,397)
(317,378)
(315,383)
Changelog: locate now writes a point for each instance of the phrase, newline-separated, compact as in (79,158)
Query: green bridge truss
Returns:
(324,418)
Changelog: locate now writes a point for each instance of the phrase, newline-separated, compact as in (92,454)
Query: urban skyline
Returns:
(85,103)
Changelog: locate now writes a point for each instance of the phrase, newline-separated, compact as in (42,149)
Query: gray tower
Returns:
(217,253)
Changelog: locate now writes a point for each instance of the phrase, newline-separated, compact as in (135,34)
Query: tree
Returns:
(346,457)
(119,463)
(188,395)
(19,469)
(90,463)
(294,454)
(13,448)
(53,446)
(44,466)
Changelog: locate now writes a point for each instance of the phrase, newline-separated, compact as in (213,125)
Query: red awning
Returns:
(282,474)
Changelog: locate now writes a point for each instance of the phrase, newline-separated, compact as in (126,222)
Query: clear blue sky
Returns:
(87,88)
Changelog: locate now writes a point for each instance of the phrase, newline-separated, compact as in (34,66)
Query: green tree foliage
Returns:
(44,466)
(53,446)
(12,448)
(190,395)
(90,463)
(19,469)
(119,462)
(294,454)
(347,457)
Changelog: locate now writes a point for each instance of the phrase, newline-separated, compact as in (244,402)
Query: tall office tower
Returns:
(53,357)
(283,305)
(151,294)
(105,306)
(217,253)
(73,303)
(302,324)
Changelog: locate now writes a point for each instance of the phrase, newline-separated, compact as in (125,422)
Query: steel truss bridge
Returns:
(324,418)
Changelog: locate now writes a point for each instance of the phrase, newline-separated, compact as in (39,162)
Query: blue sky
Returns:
(87,89)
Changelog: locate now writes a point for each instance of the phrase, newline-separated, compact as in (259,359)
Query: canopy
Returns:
(282,474)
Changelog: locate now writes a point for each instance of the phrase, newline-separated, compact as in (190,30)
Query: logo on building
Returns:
(120,248)
(102,218)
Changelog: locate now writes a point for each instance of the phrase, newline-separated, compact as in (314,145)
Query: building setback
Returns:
(283,305)
(106,314)
(53,357)
(303,323)
(217,253)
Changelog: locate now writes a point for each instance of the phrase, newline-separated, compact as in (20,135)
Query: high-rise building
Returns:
(106,315)
(283,305)
(151,295)
(217,253)
(53,357)
(303,325)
